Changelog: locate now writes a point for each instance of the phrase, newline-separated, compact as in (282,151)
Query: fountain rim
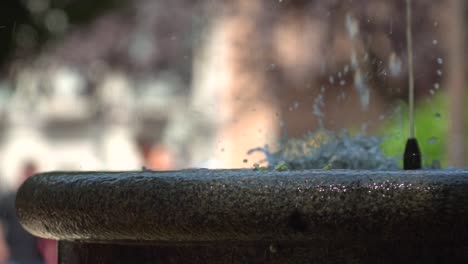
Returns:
(244,205)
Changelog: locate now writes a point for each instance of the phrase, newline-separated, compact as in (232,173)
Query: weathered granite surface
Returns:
(205,206)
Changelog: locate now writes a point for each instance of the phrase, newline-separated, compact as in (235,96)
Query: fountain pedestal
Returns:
(242,216)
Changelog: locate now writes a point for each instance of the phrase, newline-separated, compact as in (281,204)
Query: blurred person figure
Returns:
(48,249)
(155,156)
(23,246)
(159,158)
(4,249)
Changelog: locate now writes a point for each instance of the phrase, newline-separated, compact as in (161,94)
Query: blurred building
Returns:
(52,116)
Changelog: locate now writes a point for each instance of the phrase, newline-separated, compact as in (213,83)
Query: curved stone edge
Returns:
(243,205)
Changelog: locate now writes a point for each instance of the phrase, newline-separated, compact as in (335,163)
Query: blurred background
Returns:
(172,84)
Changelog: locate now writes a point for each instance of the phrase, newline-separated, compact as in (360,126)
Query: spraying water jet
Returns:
(412,155)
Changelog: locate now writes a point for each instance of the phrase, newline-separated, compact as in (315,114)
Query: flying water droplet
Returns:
(317,109)
(440,61)
(362,89)
(346,68)
(352,26)
(296,104)
(354,60)
(432,140)
(436,86)
(435,42)
(366,56)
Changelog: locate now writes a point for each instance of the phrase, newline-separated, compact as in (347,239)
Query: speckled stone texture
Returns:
(243,216)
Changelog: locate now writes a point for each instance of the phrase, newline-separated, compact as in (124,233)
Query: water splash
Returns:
(327,149)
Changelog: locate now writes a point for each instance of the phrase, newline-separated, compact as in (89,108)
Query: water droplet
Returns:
(343,95)
(322,89)
(273,249)
(436,165)
(362,88)
(342,82)
(436,86)
(431,92)
(354,60)
(331,79)
(346,69)
(352,26)
(437,115)
(440,61)
(435,42)
(439,72)
(271,67)
(296,104)
(339,75)
(366,56)
(432,140)
(436,23)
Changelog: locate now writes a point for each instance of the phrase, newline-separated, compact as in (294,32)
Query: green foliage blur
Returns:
(431,130)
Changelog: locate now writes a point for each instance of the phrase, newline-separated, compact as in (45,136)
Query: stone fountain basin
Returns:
(269,210)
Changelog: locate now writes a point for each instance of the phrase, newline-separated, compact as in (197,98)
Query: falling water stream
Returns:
(412,154)
(409,44)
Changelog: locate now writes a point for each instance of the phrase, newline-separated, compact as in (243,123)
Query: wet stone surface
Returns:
(367,215)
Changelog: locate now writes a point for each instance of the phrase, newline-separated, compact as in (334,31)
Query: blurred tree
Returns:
(26,25)
(11,12)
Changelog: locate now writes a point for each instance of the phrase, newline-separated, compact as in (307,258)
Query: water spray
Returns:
(412,155)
